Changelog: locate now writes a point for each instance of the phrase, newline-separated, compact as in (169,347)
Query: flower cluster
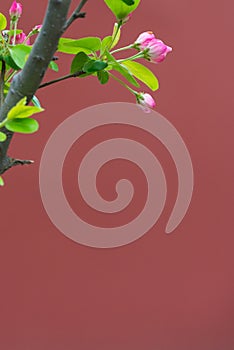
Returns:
(153,49)
(91,56)
(15,36)
(148,47)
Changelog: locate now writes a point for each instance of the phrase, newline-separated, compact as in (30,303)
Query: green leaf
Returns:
(78,62)
(94,66)
(3,22)
(120,8)
(103,76)
(3,137)
(53,66)
(21,111)
(19,54)
(11,63)
(1,182)
(106,44)
(87,45)
(36,102)
(24,126)
(121,69)
(143,74)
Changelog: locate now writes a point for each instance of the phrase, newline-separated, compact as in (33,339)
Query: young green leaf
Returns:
(19,54)
(53,66)
(22,102)
(142,73)
(24,126)
(94,66)
(21,111)
(3,22)
(1,182)
(78,62)
(120,8)
(87,45)
(3,137)
(103,76)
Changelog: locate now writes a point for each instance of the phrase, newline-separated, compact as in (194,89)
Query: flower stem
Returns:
(122,49)
(15,29)
(132,58)
(11,28)
(122,83)
(11,76)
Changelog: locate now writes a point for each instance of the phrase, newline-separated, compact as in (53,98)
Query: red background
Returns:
(162,292)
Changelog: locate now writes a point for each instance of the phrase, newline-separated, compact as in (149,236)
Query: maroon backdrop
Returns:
(162,292)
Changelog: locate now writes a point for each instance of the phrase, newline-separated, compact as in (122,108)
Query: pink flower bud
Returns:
(146,101)
(20,38)
(156,50)
(144,38)
(15,10)
(37,28)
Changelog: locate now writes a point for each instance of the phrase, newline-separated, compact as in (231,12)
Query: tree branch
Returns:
(3,71)
(55,23)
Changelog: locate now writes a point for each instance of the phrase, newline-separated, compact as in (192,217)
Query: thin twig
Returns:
(74,75)
(76,14)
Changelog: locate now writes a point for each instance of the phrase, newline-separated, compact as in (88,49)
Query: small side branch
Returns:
(12,162)
(74,75)
(76,14)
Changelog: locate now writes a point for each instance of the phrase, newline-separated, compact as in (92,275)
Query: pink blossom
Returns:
(20,38)
(15,10)
(146,101)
